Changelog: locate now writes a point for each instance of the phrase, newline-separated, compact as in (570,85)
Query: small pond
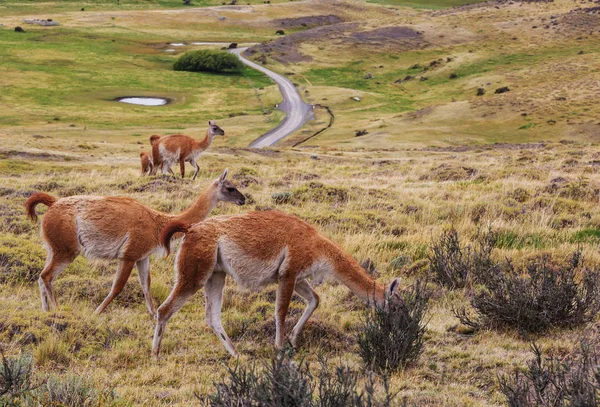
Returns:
(144,101)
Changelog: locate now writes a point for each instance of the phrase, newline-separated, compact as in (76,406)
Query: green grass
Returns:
(74,75)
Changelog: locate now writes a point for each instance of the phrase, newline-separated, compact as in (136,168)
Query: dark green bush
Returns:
(392,336)
(208,61)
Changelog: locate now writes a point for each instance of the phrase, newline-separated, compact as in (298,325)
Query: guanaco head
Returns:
(215,130)
(227,192)
(392,293)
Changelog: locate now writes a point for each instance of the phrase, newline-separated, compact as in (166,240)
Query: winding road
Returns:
(296,111)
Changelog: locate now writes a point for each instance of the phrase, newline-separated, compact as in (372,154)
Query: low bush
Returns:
(208,61)
(19,387)
(15,378)
(282,381)
(540,296)
(74,391)
(455,265)
(556,382)
(392,336)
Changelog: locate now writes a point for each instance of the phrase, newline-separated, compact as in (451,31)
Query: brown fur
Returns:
(146,162)
(256,249)
(35,199)
(178,148)
(113,228)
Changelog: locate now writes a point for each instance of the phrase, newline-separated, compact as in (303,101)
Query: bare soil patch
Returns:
(285,49)
(309,21)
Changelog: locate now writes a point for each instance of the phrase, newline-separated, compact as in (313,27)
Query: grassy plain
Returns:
(383,196)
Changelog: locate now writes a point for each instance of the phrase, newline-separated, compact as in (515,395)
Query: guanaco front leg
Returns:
(304,289)
(213,293)
(143,267)
(196,168)
(123,273)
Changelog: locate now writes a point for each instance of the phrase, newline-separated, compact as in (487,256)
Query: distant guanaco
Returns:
(257,249)
(113,228)
(146,161)
(168,150)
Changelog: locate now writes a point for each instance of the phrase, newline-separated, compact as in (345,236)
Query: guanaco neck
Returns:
(353,276)
(204,144)
(201,208)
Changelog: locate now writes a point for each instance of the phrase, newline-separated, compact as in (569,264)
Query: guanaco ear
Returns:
(223,175)
(393,287)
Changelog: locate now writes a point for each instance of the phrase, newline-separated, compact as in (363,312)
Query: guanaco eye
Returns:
(230,189)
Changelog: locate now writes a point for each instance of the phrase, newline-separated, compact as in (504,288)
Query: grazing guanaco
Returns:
(168,150)
(113,228)
(146,161)
(257,249)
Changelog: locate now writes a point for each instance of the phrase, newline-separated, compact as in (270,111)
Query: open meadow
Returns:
(442,148)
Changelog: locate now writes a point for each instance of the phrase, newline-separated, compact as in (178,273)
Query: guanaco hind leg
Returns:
(123,273)
(182,167)
(213,293)
(54,265)
(285,289)
(192,276)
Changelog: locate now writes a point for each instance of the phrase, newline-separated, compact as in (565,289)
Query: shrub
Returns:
(284,382)
(15,378)
(549,381)
(392,336)
(208,61)
(541,296)
(455,266)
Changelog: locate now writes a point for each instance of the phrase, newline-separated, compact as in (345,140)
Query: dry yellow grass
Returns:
(541,197)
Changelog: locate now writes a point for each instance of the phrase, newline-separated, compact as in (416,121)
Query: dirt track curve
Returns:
(296,111)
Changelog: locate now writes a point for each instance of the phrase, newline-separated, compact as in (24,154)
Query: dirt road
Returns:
(297,112)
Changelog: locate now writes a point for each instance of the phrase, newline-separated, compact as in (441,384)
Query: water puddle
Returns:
(143,101)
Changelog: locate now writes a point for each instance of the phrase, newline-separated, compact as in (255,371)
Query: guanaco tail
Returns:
(113,228)
(177,148)
(257,249)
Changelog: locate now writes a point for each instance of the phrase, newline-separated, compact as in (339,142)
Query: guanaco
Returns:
(113,228)
(168,150)
(146,161)
(257,249)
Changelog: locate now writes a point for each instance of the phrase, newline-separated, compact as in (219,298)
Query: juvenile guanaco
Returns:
(146,161)
(257,249)
(168,150)
(113,228)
